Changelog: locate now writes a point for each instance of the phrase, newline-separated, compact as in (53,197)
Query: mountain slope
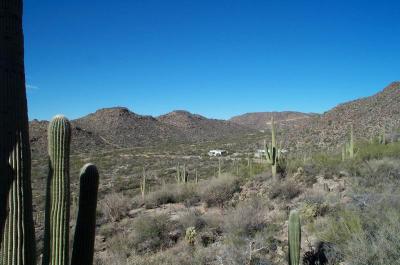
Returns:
(262,120)
(118,127)
(123,128)
(199,128)
(368,115)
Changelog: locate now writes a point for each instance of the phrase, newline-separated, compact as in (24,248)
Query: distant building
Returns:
(259,153)
(217,153)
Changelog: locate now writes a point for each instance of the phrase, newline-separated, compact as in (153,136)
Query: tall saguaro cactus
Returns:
(56,243)
(272,153)
(294,235)
(82,253)
(17,243)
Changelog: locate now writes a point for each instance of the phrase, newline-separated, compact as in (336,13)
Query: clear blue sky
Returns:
(218,58)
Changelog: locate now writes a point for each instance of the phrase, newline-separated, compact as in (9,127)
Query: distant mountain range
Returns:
(120,128)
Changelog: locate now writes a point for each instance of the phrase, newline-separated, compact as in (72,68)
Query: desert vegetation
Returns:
(319,202)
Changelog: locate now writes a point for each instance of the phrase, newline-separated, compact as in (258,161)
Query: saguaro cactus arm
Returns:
(294,235)
(56,245)
(83,249)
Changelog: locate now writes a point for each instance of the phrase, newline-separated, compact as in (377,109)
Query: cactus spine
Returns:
(56,249)
(17,242)
(294,235)
(83,249)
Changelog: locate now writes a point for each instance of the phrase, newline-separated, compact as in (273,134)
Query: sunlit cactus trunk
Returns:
(56,245)
(294,235)
(17,241)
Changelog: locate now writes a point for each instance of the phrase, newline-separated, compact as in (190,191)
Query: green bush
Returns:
(151,233)
(173,193)
(246,219)
(219,190)
(284,190)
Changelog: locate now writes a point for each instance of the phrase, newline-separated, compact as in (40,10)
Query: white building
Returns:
(217,153)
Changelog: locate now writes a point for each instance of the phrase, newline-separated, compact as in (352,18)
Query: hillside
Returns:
(262,120)
(368,115)
(199,128)
(118,127)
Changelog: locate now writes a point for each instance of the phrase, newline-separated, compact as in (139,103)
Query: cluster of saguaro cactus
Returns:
(294,236)
(181,174)
(57,217)
(273,153)
(17,235)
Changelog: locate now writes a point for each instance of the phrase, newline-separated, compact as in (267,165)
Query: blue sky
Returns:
(218,58)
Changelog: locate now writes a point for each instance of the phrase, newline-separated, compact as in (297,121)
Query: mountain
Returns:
(122,128)
(118,127)
(262,120)
(368,115)
(199,128)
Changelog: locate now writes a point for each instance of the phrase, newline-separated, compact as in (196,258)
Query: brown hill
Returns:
(368,115)
(262,120)
(199,128)
(120,128)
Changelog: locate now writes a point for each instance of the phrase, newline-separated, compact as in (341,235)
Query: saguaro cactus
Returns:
(56,249)
(143,184)
(17,245)
(273,154)
(351,144)
(82,253)
(294,235)
(348,151)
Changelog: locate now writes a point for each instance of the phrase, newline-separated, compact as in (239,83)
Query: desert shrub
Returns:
(219,190)
(246,219)
(285,190)
(369,236)
(182,255)
(378,175)
(151,233)
(340,228)
(377,151)
(109,258)
(194,219)
(160,197)
(114,206)
(315,204)
(172,194)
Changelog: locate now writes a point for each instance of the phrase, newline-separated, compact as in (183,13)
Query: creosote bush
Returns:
(172,193)
(217,191)
(284,190)
(151,233)
(114,206)
(246,218)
